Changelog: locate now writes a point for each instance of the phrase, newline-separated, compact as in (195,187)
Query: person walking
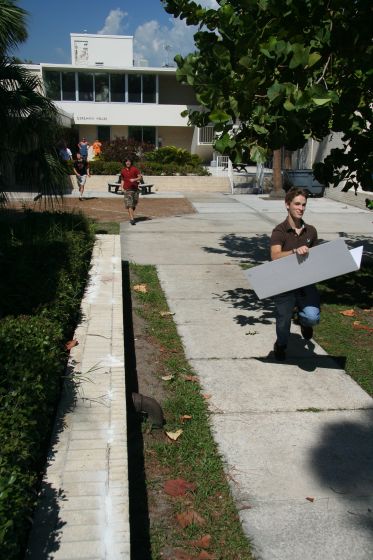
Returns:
(83,148)
(81,170)
(130,179)
(294,236)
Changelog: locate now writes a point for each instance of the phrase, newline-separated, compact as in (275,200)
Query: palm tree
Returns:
(29,121)
(12,25)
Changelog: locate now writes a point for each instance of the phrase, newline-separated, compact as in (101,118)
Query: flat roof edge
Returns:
(101,35)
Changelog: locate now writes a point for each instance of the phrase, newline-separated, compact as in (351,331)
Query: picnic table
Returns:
(145,188)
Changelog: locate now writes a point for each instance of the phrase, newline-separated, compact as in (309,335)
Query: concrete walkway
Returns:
(83,505)
(296,437)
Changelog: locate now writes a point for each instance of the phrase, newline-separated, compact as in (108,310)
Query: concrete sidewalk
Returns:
(83,505)
(296,437)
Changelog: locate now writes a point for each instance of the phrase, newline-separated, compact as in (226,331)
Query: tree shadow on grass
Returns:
(351,290)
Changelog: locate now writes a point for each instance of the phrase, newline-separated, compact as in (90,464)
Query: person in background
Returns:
(294,236)
(130,179)
(97,148)
(83,148)
(81,170)
(91,154)
(65,153)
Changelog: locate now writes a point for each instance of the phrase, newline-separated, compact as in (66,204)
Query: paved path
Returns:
(286,431)
(83,509)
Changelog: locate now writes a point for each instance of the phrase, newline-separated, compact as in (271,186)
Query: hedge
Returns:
(44,260)
(101,167)
(30,372)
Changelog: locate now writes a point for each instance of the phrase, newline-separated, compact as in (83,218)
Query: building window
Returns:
(52,85)
(85,86)
(142,134)
(101,87)
(117,88)
(134,88)
(206,135)
(148,88)
(68,86)
(103,133)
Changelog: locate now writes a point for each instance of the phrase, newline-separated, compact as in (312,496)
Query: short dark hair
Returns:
(293,192)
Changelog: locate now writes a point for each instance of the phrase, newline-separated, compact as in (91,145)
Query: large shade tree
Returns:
(28,120)
(274,73)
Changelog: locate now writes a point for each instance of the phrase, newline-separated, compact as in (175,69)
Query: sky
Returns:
(157,35)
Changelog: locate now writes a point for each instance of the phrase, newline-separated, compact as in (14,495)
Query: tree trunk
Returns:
(277,191)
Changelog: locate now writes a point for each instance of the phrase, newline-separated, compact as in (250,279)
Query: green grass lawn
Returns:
(350,337)
(108,228)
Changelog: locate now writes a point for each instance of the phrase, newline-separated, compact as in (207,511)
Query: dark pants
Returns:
(307,300)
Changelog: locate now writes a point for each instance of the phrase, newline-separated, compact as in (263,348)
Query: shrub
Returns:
(171,154)
(30,373)
(45,263)
(120,149)
(155,168)
(100,167)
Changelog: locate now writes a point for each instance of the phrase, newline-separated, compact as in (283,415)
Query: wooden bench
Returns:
(145,188)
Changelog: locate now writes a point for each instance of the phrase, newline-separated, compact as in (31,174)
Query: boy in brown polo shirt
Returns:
(294,236)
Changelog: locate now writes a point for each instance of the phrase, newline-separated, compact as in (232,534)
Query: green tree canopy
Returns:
(273,73)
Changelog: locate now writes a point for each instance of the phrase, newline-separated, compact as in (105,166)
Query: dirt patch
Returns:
(112,209)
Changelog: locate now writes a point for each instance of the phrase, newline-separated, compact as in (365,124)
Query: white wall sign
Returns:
(81,52)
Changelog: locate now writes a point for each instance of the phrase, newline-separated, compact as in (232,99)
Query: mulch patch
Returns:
(111,209)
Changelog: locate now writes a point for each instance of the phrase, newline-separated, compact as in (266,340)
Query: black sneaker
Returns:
(307,332)
(295,316)
(133,223)
(279,351)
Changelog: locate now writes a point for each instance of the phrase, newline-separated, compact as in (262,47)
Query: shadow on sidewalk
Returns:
(45,535)
(252,250)
(241,298)
(301,353)
(343,462)
(138,501)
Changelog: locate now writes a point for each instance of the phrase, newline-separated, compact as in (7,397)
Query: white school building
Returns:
(106,96)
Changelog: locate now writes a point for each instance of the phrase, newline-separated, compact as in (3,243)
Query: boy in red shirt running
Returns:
(130,178)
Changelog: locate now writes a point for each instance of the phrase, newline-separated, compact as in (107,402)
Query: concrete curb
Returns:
(83,509)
